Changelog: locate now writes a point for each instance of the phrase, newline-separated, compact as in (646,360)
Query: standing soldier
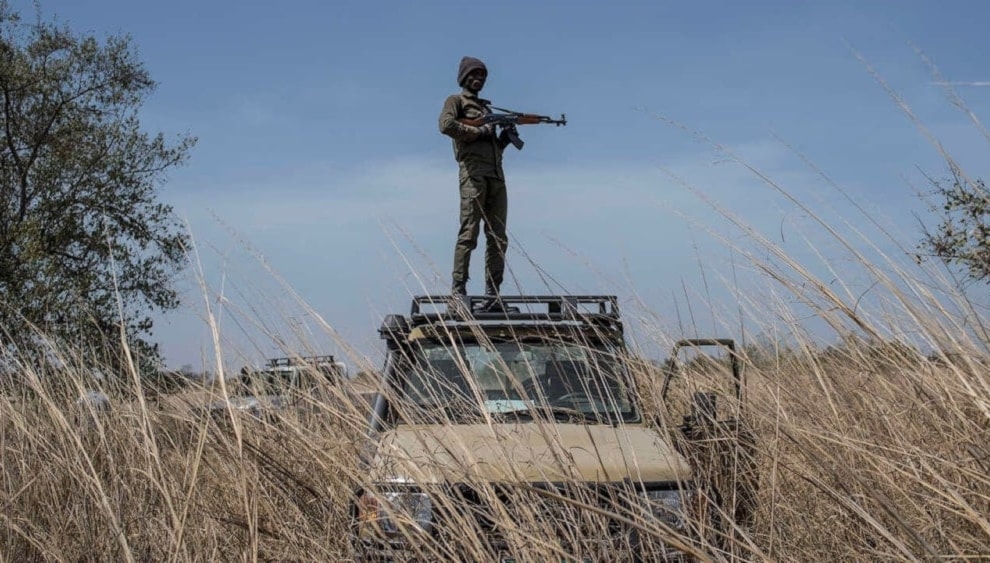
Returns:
(478,152)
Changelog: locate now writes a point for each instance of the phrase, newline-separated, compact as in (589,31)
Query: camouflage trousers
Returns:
(483,200)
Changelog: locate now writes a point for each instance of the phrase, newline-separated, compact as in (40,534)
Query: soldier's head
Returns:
(471,74)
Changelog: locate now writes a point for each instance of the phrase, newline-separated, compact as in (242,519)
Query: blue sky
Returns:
(319,165)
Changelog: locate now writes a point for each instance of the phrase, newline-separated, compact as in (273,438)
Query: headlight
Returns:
(668,505)
(394,512)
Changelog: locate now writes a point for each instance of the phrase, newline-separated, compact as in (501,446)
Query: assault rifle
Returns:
(508,120)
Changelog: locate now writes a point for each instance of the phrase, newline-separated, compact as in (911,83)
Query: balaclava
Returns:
(467,65)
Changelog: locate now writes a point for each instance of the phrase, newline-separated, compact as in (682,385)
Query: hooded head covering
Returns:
(467,65)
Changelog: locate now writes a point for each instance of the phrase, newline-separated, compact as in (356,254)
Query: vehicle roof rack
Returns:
(517,308)
(298,361)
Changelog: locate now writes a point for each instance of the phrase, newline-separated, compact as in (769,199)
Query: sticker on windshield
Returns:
(505,405)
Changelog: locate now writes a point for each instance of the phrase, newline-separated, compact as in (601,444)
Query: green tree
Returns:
(87,252)
(962,237)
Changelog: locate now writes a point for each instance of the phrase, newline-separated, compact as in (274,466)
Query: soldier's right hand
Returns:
(486,130)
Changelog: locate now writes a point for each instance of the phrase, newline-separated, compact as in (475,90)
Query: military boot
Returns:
(492,303)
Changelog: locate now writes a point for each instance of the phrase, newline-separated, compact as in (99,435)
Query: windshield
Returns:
(519,379)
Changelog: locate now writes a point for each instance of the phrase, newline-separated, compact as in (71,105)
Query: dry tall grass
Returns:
(865,451)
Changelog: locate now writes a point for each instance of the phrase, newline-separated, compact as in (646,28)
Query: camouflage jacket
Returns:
(476,157)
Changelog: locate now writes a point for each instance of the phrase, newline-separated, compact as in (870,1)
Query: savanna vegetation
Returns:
(868,450)
(872,449)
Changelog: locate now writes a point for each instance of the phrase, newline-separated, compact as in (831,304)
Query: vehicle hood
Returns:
(526,452)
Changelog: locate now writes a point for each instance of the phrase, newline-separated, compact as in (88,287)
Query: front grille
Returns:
(541,519)
(535,522)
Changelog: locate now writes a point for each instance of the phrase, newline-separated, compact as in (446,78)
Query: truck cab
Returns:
(518,434)
(278,385)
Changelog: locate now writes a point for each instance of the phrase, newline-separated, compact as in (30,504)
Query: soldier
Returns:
(478,152)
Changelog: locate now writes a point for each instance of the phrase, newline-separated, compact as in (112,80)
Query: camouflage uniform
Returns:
(482,185)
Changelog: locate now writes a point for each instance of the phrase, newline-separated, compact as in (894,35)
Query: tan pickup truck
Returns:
(518,434)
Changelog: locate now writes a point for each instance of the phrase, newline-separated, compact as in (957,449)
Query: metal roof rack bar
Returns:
(298,361)
(428,308)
